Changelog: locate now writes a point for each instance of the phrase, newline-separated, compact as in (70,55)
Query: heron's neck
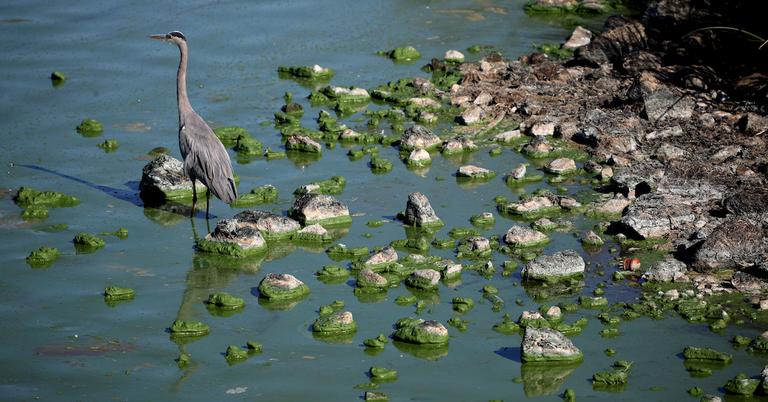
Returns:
(181,84)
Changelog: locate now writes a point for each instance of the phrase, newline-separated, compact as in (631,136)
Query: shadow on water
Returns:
(166,214)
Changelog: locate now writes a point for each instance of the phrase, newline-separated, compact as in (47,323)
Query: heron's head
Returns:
(173,36)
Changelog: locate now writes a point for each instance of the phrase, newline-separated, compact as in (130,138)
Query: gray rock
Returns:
(231,231)
(580,37)
(164,179)
(656,215)
(543,129)
(472,115)
(559,265)
(386,256)
(538,146)
(459,145)
(736,243)
(620,37)
(419,212)
(418,137)
(666,270)
(521,236)
(561,166)
(319,208)
(752,202)
(424,279)
(753,124)
(454,56)
(270,225)
(548,345)
(518,172)
(302,143)
(508,136)
(369,279)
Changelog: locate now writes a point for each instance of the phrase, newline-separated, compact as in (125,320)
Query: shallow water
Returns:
(62,342)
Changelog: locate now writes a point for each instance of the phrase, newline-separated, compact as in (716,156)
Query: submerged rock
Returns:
(548,345)
(418,137)
(560,265)
(163,179)
(314,72)
(282,287)
(321,209)
(419,212)
(421,332)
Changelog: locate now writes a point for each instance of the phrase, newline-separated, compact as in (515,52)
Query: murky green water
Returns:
(62,342)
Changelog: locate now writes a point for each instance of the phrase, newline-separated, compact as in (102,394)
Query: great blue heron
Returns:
(205,157)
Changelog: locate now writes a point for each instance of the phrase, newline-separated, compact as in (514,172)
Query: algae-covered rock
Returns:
(331,272)
(548,345)
(28,197)
(302,143)
(314,72)
(282,287)
(89,128)
(181,328)
(245,145)
(610,377)
(334,185)
(375,396)
(551,268)
(385,256)
(531,208)
(254,347)
(183,360)
(312,234)
(561,166)
(35,213)
(88,241)
(474,247)
(232,238)
(370,280)
(271,226)
(418,331)
(694,353)
(485,219)
(591,239)
(335,324)
(234,354)
(260,195)
(225,301)
(57,77)
(666,270)
(462,304)
(475,173)
(426,279)
(109,145)
(453,56)
(321,209)
(593,302)
(341,251)
(380,165)
(419,137)
(741,385)
(42,257)
(163,179)
(406,53)
(380,374)
(112,293)
(520,237)
(419,212)
(377,342)
(419,158)
(228,135)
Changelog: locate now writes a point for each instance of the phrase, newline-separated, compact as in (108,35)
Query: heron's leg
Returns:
(194,198)
(207,201)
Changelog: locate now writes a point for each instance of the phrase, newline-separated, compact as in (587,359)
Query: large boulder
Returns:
(232,238)
(548,345)
(282,287)
(163,179)
(321,209)
(551,268)
(620,37)
(419,212)
(521,236)
(420,332)
(419,137)
(735,243)
(271,226)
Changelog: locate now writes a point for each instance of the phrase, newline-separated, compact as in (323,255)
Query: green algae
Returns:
(228,135)
(609,332)
(226,248)
(235,354)
(28,197)
(315,73)
(378,342)
(484,220)
(114,293)
(342,252)
(34,212)
(740,340)
(555,51)
(462,304)
(569,395)
(334,324)
(695,391)
(157,151)
(43,257)
(475,177)
(181,328)
(463,232)
(382,374)
(694,353)
(597,302)
(332,186)
(333,274)
(254,347)
(183,360)
(458,323)
(443,243)
(57,77)
(400,54)
(86,242)
(376,223)
(89,128)
(245,145)
(406,300)
(411,330)
(380,165)
(265,194)
(610,377)
(276,293)
(418,244)
(271,155)
(109,145)
(225,301)
(741,385)
(507,325)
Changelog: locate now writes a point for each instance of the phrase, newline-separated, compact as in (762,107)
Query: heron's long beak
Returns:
(158,37)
